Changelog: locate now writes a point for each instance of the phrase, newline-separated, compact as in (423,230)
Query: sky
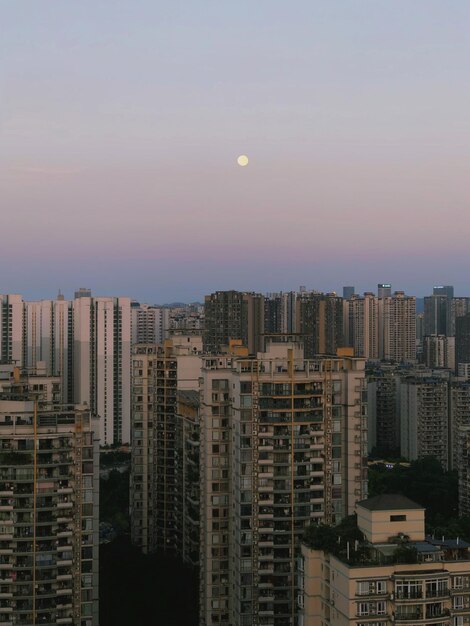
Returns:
(121,122)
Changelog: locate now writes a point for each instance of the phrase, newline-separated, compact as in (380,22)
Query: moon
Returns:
(242,160)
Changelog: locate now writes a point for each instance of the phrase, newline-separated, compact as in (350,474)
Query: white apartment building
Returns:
(101,362)
(150,324)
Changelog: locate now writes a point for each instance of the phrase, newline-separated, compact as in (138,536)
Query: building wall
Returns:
(56,463)
(266,475)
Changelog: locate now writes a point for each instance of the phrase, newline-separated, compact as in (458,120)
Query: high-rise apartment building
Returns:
(397,327)
(11,325)
(48,341)
(150,324)
(101,362)
(457,308)
(280,313)
(160,435)
(283,443)
(233,315)
(439,351)
(361,321)
(49,522)
(459,417)
(86,342)
(383,411)
(463,467)
(424,418)
(462,339)
(320,323)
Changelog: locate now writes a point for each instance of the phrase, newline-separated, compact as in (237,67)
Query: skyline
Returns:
(122,123)
(68,293)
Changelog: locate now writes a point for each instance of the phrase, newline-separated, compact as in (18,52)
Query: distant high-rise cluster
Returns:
(250,417)
(256,421)
(234,467)
(85,341)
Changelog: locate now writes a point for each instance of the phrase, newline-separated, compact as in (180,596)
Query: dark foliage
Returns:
(114,500)
(113,458)
(424,482)
(146,590)
(328,538)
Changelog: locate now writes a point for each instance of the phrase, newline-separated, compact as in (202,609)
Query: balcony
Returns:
(408,617)
(409,595)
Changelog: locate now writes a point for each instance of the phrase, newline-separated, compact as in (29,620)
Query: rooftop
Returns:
(389,502)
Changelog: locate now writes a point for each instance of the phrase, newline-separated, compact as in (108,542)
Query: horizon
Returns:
(69,294)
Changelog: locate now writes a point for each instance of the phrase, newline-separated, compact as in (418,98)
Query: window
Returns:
(371,587)
(409,589)
(371,608)
(458,602)
(398,518)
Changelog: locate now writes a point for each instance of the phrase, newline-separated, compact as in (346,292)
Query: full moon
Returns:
(242,160)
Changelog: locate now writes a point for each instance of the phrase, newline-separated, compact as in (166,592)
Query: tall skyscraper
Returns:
(384,290)
(443,290)
(436,315)
(348,292)
(283,443)
(49,481)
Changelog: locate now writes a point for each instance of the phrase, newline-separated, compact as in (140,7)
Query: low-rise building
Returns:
(394,574)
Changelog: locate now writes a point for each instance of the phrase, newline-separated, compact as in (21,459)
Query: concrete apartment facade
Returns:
(283,443)
(49,511)
(164,429)
(376,589)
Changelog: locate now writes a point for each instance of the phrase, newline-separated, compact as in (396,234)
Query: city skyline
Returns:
(151,297)
(121,127)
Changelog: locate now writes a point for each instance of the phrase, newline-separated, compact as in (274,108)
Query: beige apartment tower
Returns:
(283,444)
(49,512)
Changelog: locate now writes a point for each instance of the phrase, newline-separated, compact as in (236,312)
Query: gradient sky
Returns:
(121,122)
